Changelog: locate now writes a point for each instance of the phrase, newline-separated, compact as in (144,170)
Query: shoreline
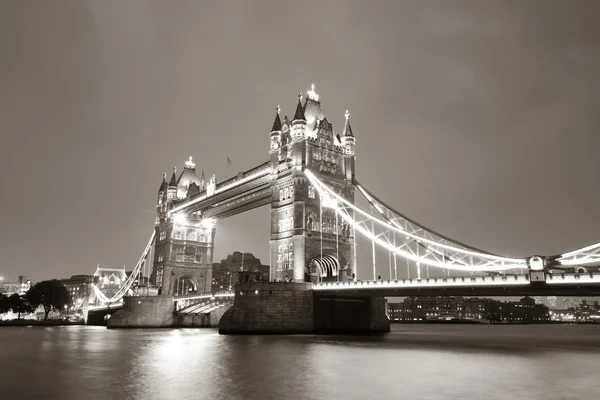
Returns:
(28,322)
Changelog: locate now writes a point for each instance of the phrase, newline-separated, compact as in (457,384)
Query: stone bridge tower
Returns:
(184,244)
(308,242)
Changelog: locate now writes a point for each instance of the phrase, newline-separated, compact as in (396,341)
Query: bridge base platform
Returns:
(159,312)
(294,308)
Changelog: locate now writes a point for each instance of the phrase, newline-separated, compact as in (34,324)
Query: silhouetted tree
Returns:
(4,304)
(52,295)
(19,304)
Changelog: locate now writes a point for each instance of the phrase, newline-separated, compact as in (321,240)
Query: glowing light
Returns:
(573,278)
(208,223)
(536,263)
(312,94)
(322,187)
(179,219)
(506,263)
(190,163)
(585,255)
(256,291)
(513,280)
(582,250)
(328,201)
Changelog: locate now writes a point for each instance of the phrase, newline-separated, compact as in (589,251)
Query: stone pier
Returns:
(293,308)
(159,312)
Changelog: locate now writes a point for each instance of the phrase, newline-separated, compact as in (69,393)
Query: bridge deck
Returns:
(506,285)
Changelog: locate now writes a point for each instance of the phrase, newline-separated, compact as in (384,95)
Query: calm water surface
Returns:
(413,362)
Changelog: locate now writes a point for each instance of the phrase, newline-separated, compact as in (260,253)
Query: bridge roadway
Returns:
(249,189)
(573,285)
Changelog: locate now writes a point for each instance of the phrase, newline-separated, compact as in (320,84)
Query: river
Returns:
(412,362)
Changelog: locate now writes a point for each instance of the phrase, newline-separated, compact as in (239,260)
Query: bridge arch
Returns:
(326,267)
(184,284)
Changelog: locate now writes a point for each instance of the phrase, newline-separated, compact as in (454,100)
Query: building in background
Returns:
(21,286)
(78,287)
(460,308)
(225,274)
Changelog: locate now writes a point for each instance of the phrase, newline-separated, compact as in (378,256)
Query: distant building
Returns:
(456,307)
(225,274)
(524,310)
(21,286)
(78,287)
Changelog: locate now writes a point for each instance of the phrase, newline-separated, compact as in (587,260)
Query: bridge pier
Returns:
(160,312)
(144,312)
(294,308)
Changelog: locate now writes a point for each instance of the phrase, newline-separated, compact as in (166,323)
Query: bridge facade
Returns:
(308,243)
(310,185)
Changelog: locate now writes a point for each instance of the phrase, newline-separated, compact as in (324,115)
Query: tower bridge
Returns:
(309,182)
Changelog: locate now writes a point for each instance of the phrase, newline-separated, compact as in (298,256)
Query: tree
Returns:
(19,304)
(4,304)
(52,295)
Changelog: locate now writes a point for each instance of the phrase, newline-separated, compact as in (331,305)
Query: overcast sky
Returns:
(480,119)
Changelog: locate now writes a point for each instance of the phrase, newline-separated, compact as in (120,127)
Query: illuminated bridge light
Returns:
(572,278)
(433,282)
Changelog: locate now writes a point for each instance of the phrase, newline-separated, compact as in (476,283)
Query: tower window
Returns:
(163,235)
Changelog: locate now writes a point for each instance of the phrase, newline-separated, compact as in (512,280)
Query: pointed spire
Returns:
(299,110)
(173,181)
(202,176)
(163,185)
(347,127)
(277,123)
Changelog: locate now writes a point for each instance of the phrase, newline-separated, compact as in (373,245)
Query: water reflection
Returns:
(413,362)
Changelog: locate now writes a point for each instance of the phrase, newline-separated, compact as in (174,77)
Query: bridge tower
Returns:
(184,244)
(309,243)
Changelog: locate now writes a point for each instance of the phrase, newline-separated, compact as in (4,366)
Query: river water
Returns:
(413,362)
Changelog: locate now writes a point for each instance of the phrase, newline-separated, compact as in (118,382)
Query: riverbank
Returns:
(31,322)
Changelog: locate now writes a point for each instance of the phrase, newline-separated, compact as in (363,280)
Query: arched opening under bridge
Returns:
(324,268)
(184,285)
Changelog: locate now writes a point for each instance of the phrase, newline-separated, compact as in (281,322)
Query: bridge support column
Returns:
(293,308)
(144,312)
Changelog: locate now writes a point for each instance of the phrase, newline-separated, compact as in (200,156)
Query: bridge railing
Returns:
(520,279)
(207,295)
(490,280)
(573,278)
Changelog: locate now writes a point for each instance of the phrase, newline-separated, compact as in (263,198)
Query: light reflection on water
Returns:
(413,362)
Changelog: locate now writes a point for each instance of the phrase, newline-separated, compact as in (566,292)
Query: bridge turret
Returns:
(187,177)
(162,197)
(163,187)
(275,142)
(299,122)
(172,188)
(298,134)
(348,142)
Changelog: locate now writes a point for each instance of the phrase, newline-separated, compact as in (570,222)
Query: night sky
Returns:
(478,119)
